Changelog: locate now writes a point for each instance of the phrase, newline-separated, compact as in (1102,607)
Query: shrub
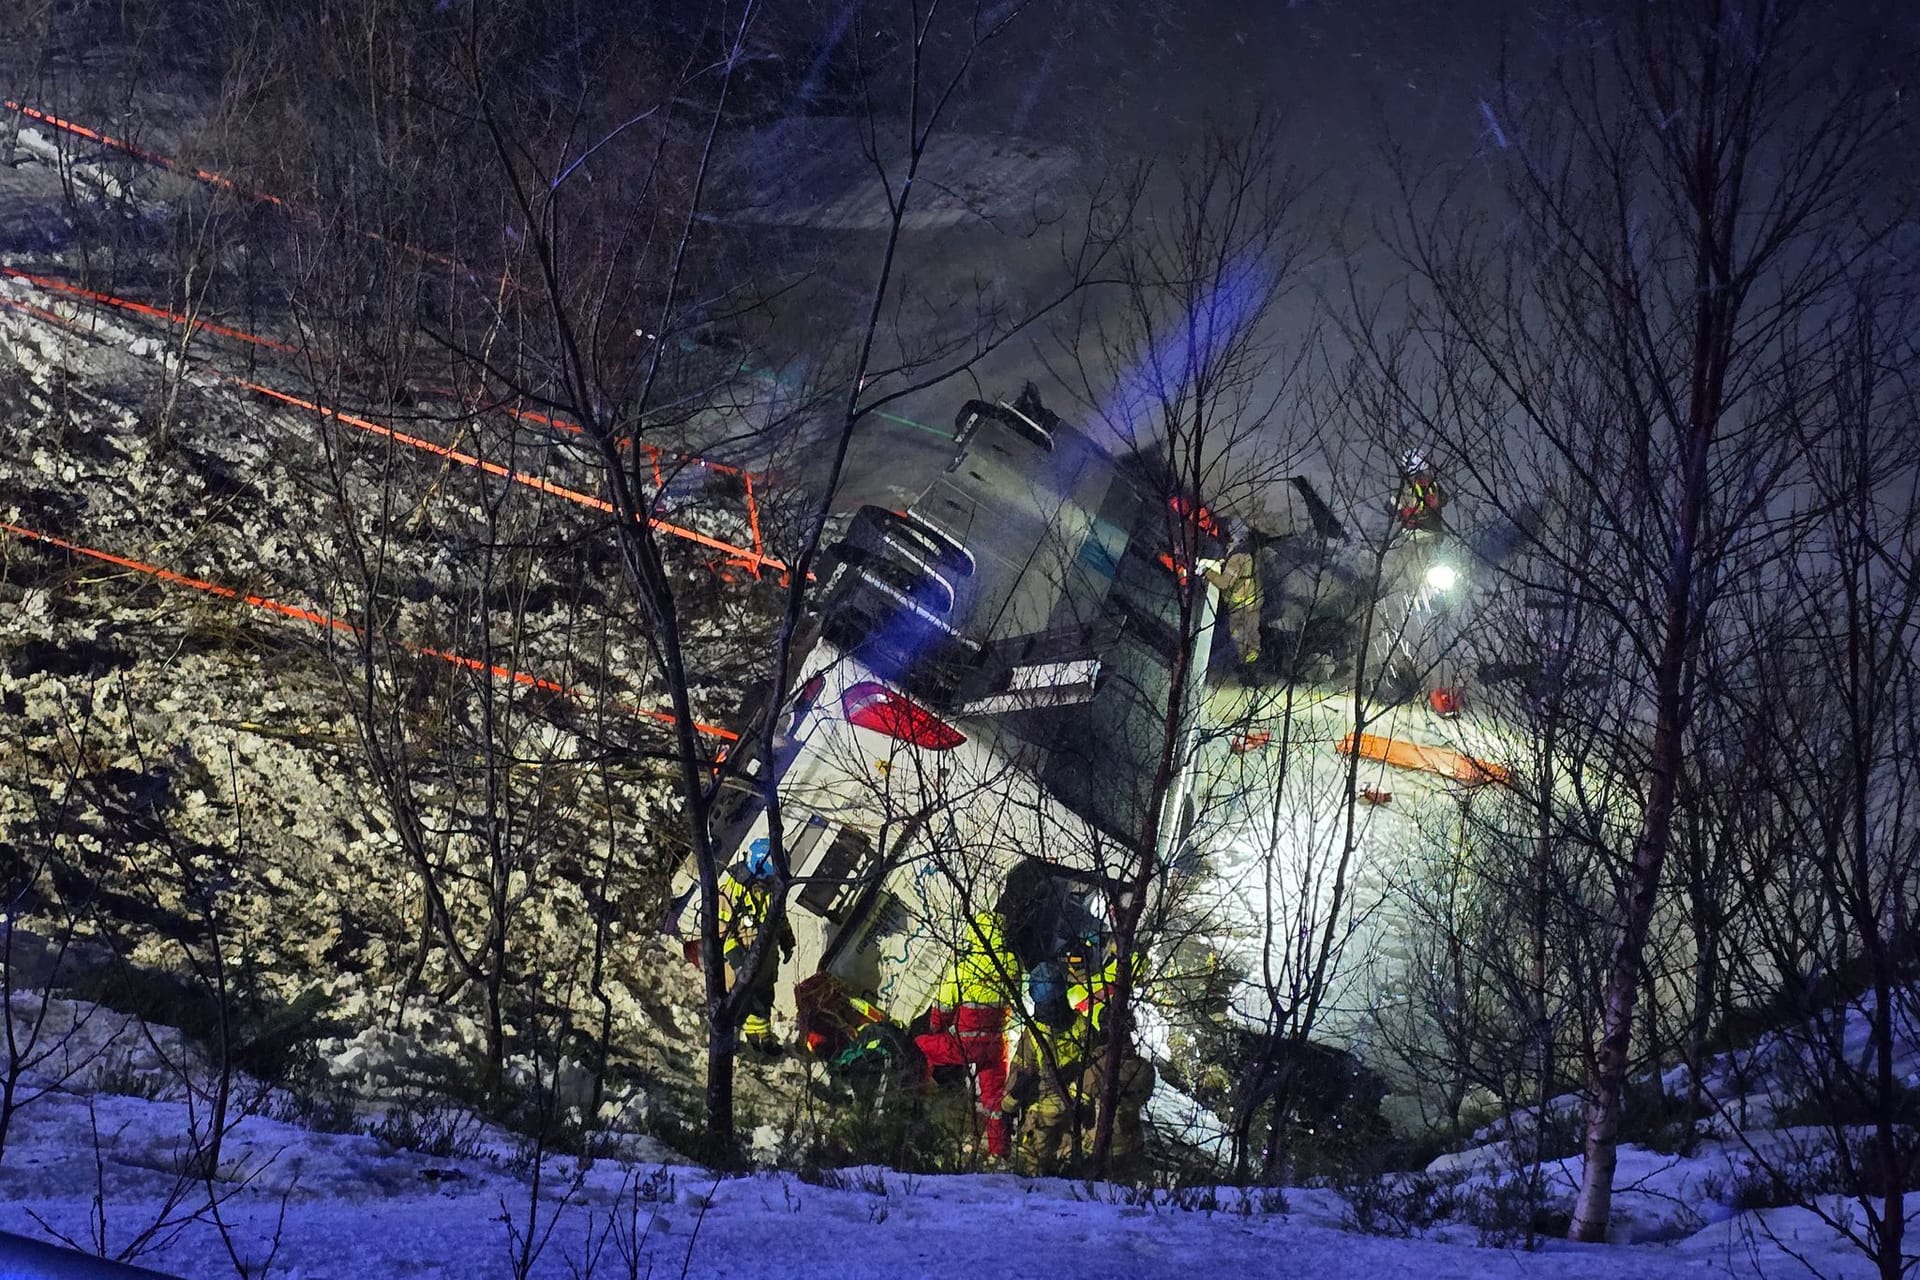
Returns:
(318,1103)
(1512,1211)
(1658,1122)
(118,1075)
(1755,1186)
(433,1126)
(1400,1204)
(881,1121)
(1842,1105)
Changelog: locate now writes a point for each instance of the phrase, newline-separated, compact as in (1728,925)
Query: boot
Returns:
(758,1034)
(997,1136)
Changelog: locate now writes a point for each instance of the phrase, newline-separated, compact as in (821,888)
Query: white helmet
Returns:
(1413,461)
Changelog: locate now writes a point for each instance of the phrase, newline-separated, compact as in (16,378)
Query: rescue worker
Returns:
(1421,500)
(746,897)
(1125,1152)
(1091,989)
(967,1022)
(1238,581)
(1046,1066)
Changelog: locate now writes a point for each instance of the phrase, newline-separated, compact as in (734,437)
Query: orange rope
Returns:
(328,622)
(751,558)
(41,313)
(753,515)
(143,308)
(652,451)
(495,469)
(140,153)
(207,176)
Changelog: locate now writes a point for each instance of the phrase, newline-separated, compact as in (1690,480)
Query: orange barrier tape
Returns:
(140,153)
(751,558)
(328,622)
(178,579)
(1412,755)
(753,516)
(496,469)
(144,308)
(39,313)
(207,176)
(653,452)
(755,557)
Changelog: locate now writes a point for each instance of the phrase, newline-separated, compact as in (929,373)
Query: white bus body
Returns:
(982,692)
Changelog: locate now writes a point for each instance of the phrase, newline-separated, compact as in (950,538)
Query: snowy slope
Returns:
(99,1160)
(356,1207)
(93,1162)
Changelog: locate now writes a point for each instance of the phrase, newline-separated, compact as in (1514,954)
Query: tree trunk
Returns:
(1606,1090)
(1537,920)
(721,1047)
(1706,988)
(1887,1132)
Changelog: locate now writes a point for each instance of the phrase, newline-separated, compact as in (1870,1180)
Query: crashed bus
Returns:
(976,715)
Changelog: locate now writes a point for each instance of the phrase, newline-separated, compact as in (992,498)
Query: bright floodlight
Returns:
(1442,577)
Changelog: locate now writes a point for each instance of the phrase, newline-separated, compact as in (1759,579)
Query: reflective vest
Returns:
(1091,994)
(1422,501)
(1046,1063)
(744,905)
(984,971)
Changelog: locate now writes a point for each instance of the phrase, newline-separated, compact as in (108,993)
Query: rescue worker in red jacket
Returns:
(967,1023)
(746,897)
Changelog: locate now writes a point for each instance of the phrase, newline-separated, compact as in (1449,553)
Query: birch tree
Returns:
(1684,192)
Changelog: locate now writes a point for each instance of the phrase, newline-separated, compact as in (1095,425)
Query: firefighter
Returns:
(1046,1064)
(1091,989)
(1124,1153)
(1421,500)
(1238,581)
(967,1023)
(746,897)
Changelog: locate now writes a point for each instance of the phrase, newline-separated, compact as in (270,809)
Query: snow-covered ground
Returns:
(323,1205)
(102,1160)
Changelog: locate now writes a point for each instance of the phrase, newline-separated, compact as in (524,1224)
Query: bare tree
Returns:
(38,1053)
(599,275)
(1838,688)
(1685,194)
(1186,364)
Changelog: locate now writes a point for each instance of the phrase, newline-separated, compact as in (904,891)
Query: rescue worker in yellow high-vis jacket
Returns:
(1422,503)
(967,1022)
(746,898)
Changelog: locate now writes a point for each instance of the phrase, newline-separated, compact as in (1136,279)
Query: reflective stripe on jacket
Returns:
(984,971)
(744,905)
(1046,1061)
(1238,581)
(1090,995)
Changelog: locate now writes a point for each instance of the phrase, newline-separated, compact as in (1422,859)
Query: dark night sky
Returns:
(1145,72)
